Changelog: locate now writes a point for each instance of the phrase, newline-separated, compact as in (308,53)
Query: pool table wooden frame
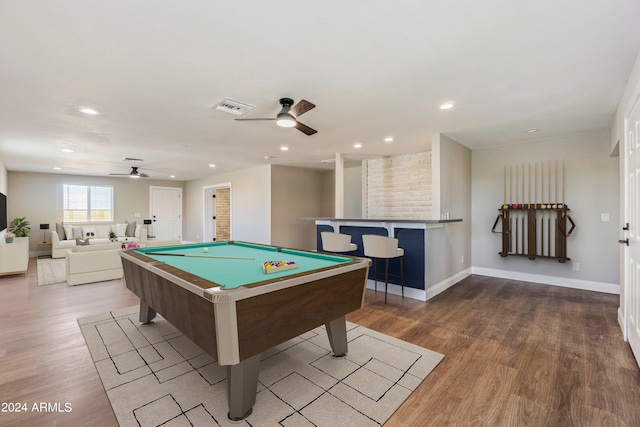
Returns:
(236,325)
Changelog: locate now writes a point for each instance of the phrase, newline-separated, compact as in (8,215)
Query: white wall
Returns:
(630,93)
(4,181)
(296,193)
(328,194)
(250,204)
(353,191)
(448,257)
(592,188)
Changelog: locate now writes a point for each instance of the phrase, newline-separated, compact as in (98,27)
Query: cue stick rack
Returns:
(533,224)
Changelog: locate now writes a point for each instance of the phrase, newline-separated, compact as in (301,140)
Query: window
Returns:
(83,203)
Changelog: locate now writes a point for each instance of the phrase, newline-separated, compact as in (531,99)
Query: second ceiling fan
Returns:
(288,116)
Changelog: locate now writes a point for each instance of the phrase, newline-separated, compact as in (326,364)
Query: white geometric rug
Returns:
(154,375)
(51,271)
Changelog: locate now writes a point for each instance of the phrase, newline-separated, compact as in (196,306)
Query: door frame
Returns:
(206,212)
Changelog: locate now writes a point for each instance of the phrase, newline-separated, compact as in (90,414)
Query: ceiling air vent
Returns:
(131,159)
(233,107)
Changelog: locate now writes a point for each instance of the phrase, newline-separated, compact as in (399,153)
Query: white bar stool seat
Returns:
(386,248)
(336,242)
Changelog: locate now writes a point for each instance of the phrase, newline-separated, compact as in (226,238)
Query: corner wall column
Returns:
(339,186)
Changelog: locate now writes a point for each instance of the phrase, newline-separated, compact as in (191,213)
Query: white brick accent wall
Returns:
(399,186)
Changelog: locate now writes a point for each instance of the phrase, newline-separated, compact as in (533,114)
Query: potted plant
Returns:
(8,237)
(112,236)
(20,227)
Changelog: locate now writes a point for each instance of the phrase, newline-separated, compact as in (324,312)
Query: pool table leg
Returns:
(337,333)
(242,384)
(147,314)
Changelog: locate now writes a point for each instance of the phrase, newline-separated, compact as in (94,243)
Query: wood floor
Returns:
(516,354)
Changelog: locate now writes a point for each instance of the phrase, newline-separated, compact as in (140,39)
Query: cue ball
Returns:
(205,249)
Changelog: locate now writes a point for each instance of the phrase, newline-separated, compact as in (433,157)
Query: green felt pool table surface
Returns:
(230,272)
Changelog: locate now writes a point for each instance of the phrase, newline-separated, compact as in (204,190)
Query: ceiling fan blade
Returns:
(305,129)
(302,107)
(273,118)
(119,174)
(144,175)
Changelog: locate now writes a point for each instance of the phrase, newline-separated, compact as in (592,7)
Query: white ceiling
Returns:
(373,68)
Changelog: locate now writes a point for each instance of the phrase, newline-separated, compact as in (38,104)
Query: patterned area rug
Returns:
(156,376)
(51,271)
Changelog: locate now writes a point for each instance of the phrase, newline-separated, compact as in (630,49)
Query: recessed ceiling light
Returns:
(67,150)
(531,130)
(266,157)
(284,148)
(172,176)
(357,145)
(388,139)
(212,165)
(447,105)
(56,168)
(88,110)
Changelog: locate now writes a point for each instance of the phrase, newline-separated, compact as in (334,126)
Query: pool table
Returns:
(218,295)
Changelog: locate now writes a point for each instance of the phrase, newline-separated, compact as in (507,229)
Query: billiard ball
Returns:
(205,249)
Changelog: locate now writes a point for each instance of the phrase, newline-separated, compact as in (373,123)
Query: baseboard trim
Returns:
(420,294)
(621,323)
(586,285)
(447,283)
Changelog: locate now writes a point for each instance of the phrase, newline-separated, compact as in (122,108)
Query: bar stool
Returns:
(383,247)
(336,242)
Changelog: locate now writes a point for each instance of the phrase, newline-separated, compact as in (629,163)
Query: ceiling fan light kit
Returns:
(285,120)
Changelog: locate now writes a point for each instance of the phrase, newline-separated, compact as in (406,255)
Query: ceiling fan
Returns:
(133,174)
(288,116)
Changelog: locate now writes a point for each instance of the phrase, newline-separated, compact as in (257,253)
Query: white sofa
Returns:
(93,263)
(100,236)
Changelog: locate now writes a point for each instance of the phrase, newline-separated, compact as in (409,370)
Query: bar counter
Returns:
(413,236)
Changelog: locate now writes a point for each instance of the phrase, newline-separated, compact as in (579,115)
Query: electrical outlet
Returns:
(605,217)
(462,259)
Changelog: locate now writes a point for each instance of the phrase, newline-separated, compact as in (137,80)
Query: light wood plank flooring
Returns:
(516,354)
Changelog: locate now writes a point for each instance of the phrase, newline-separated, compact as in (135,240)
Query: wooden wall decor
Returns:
(534,214)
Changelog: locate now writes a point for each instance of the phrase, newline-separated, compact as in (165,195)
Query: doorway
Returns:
(217,213)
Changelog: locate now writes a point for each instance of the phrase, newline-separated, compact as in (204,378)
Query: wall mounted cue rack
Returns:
(531,227)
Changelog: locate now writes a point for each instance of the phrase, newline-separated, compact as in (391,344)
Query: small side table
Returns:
(44,246)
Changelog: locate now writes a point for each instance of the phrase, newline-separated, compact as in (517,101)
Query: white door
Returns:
(166,213)
(632,252)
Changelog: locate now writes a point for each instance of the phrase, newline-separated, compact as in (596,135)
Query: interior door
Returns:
(632,251)
(166,213)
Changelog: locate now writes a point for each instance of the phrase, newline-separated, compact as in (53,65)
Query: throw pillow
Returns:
(77,232)
(83,242)
(121,230)
(131,229)
(68,232)
(60,231)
